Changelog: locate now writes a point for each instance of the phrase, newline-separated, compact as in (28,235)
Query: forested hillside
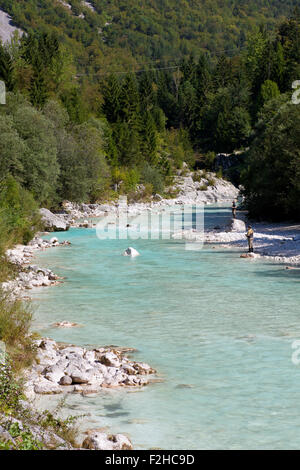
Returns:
(71,135)
(104,34)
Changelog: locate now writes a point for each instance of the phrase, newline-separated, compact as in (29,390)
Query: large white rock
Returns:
(101,441)
(53,222)
(131,252)
(45,387)
(237,225)
(53,373)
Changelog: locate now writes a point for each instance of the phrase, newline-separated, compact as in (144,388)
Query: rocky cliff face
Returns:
(7,29)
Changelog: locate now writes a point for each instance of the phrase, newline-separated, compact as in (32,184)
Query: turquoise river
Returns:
(219,330)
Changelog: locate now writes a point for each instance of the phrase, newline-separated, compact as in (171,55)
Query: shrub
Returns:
(18,213)
(211,181)
(197,177)
(10,390)
(209,160)
(152,176)
(15,322)
(24,439)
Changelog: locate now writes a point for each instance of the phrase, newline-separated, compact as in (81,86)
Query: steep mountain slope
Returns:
(103,33)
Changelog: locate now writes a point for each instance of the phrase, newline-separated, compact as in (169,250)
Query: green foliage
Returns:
(119,31)
(153,176)
(64,428)
(209,160)
(226,122)
(269,90)
(10,391)
(130,179)
(15,323)
(271,180)
(6,68)
(18,212)
(23,438)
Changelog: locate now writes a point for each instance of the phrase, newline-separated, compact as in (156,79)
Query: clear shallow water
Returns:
(217,328)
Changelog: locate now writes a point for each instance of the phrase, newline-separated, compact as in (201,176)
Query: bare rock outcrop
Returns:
(53,222)
(66,369)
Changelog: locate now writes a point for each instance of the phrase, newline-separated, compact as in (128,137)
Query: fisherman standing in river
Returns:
(233,208)
(249,235)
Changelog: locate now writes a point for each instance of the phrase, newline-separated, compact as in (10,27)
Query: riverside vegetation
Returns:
(68,134)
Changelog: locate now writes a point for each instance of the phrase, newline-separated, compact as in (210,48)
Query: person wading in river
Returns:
(233,208)
(249,236)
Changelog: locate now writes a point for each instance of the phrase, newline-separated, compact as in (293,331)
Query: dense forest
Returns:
(66,136)
(106,35)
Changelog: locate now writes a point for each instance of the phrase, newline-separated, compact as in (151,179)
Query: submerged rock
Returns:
(65,324)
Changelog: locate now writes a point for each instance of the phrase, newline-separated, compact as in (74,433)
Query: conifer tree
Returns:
(112,104)
(6,69)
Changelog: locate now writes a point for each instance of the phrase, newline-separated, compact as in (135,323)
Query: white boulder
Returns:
(131,252)
(101,441)
(53,222)
(237,225)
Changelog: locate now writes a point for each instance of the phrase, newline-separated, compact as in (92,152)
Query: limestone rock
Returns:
(65,380)
(110,359)
(65,324)
(45,387)
(131,252)
(101,441)
(75,369)
(250,255)
(53,222)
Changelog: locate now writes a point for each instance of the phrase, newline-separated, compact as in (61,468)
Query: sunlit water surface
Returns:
(217,328)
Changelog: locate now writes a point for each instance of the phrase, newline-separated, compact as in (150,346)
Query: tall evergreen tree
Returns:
(112,96)
(6,69)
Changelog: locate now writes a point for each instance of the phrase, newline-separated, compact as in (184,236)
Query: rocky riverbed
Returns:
(190,188)
(276,242)
(73,369)
(31,275)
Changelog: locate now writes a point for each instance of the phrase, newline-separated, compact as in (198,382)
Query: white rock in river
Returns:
(101,441)
(45,387)
(131,252)
(53,222)
(237,225)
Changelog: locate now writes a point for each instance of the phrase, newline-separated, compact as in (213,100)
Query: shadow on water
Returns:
(117,414)
(113,406)
(280,273)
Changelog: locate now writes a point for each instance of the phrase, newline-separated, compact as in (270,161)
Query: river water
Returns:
(219,330)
